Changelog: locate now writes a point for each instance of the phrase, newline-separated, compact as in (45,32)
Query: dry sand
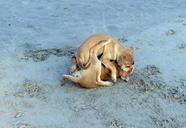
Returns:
(38,39)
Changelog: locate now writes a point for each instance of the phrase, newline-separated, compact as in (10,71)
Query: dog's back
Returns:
(82,54)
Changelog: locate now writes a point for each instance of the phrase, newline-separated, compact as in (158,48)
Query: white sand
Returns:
(36,41)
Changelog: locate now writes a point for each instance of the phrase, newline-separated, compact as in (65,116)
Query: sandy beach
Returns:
(38,39)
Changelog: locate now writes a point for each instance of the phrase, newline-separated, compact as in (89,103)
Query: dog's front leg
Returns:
(100,82)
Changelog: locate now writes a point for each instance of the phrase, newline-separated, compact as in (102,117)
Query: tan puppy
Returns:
(86,80)
(113,51)
(91,76)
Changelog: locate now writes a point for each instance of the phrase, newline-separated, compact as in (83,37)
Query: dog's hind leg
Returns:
(72,78)
(74,67)
(97,63)
(111,67)
(94,50)
(100,82)
(104,83)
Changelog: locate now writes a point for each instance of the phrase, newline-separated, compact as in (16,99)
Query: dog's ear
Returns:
(133,49)
(117,58)
(121,58)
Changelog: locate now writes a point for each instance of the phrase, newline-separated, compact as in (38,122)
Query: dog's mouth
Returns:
(124,78)
(128,71)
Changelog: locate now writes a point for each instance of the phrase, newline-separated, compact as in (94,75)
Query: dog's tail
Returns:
(100,44)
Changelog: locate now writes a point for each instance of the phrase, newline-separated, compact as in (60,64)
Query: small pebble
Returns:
(18,114)
(170,32)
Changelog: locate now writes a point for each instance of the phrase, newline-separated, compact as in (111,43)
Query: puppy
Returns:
(113,51)
(105,76)
(91,76)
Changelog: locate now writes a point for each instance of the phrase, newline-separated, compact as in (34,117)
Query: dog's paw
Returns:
(108,83)
(63,80)
(114,78)
(65,76)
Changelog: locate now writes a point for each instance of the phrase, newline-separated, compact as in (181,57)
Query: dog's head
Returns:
(126,63)
(125,75)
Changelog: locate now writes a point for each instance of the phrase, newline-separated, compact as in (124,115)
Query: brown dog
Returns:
(113,51)
(91,76)
(94,75)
